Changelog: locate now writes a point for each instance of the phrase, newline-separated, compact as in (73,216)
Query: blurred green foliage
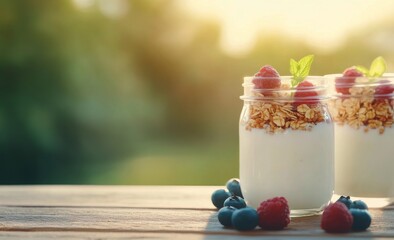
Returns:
(145,97)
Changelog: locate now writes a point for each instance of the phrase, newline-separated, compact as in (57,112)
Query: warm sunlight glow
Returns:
(323,24)
(83,3)
(110,8)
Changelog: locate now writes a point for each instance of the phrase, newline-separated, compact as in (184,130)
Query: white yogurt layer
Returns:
(364,162)
(295,164)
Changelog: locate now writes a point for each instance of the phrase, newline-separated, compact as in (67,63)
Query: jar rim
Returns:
(388,76)
(316,80)
(286,93)
(338,81)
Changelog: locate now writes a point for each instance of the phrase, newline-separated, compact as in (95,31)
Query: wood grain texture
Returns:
(133,235)
(195,197)
(122,212)
(143,220)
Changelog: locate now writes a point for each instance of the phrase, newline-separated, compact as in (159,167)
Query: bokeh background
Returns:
(147,91)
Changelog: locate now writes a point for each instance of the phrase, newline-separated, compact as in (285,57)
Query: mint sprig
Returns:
(377,69)
(300,70)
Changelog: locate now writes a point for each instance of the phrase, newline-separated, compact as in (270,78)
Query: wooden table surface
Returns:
(142,212)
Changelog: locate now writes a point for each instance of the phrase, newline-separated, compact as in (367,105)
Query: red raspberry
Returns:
(336,218)
(274,214)
(304,90)
(384,88)
(267,78)
(347,80)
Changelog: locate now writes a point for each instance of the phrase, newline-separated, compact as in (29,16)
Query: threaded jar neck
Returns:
(281,89)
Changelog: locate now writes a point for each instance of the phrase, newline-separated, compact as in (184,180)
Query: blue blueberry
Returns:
(359,205)
(225,214)
(234,187)
(245,219)
(361,219)
(218,197)
(235,201)
(345,200)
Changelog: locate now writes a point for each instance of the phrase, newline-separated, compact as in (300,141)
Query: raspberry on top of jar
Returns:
(292,102)
(364,98)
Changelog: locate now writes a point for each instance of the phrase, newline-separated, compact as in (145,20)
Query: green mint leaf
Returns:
(305,65)
(294,81)
(299,70)
(378,67)
(363,70)
(294,68)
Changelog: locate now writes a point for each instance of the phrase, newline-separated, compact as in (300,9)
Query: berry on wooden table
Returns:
(359,204)
(234,187)
(245,219)
(345,200)
(361,219)
(274,214)
(336,218)
(225,214)
(235,201)
(218,197)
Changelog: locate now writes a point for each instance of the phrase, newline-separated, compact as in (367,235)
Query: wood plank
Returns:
(193,197)
(118,212)
(169,221)
(188,197)
(137,235)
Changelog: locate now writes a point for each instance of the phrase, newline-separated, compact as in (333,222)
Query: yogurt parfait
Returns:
(287,140)
(362,109)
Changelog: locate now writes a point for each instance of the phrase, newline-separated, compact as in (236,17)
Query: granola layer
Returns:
(362,110)
(276,117)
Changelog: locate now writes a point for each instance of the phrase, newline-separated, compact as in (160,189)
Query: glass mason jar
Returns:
(287,145)
(362,110)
